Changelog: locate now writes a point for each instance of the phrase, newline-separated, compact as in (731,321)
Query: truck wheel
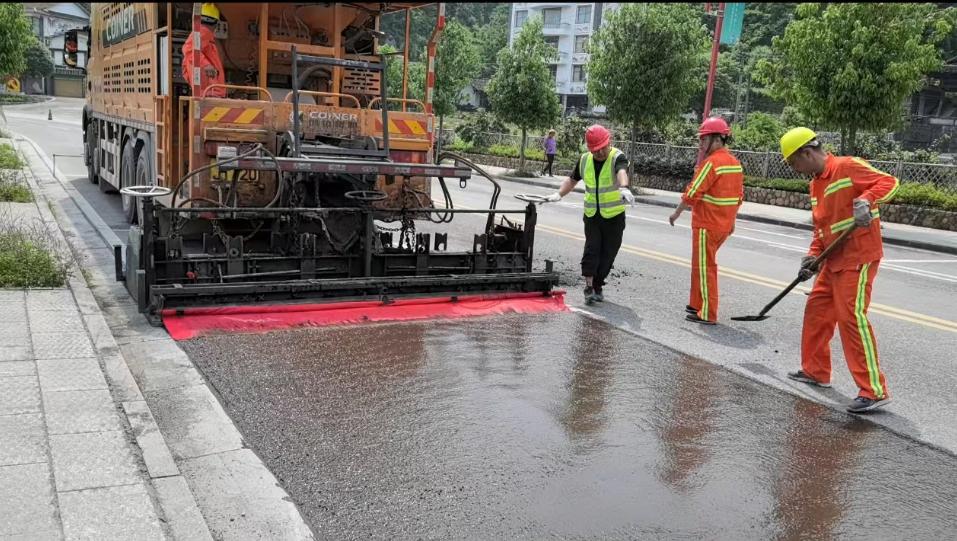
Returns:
(89,148)
(127,176)
(144,175)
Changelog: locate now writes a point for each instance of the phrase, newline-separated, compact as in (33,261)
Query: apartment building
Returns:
(567,27)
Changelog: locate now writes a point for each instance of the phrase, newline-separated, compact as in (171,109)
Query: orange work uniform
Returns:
(842,292)
(209,56)
(714,196)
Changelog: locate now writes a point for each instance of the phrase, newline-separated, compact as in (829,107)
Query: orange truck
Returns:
(305,181)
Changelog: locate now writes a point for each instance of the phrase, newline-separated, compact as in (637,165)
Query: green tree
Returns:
(493,36)
(523,90)
(394,65)
(763,132)
(15,38)
(422,25)
(456,64)
(39,60)
(850,66)
(764,20)
(643,61)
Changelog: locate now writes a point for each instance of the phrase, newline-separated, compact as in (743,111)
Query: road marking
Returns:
(875,308)
(920,261)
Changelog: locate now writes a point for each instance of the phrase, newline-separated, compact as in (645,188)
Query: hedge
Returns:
(910,193)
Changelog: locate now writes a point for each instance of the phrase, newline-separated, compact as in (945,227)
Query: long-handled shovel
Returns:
(812,267)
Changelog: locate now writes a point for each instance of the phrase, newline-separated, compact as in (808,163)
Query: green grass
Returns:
(28,260)
(9,159)
(15,193)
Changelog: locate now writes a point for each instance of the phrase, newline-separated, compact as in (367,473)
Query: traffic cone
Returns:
(50,114)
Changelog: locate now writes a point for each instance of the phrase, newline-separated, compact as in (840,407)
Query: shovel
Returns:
(812,267)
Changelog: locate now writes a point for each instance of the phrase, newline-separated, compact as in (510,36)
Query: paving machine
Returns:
(245,204)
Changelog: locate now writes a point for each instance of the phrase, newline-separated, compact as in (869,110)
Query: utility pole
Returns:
(714,66)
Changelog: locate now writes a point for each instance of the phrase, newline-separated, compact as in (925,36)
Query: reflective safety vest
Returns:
(601,193)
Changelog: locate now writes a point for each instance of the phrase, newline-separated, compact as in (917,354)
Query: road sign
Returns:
(13,85)
(733,20)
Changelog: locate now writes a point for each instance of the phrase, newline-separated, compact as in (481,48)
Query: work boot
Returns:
(696,319)
(862,404)
(691,309)
(590,296)
(804,378)
(599,295)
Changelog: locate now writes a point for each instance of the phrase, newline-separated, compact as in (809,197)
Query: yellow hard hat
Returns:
(795,139)
(210,13)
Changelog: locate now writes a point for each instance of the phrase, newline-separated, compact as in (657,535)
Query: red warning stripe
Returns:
(405,127)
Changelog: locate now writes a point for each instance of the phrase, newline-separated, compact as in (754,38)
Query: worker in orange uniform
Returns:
(211,66)
(714,195)
(844,191)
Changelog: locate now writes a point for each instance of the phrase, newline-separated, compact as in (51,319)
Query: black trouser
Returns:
(548,166)
(602,241)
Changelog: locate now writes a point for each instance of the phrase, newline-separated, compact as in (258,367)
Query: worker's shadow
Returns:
(724,335)
(620,316)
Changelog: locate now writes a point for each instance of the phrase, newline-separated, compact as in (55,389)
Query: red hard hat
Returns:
(597,137)
(714,125)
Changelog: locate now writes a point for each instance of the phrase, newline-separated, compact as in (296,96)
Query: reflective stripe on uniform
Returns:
(891,194)
(703,270)
(728,169)
(591,205)
(813,201)
(609,189)
(837,185)
(867,339)
(720,201)
(845,224)
(699,179)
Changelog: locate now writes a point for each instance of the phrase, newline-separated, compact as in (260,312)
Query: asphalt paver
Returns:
(558,426)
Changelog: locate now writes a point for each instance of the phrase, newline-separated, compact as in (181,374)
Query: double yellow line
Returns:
(875,308)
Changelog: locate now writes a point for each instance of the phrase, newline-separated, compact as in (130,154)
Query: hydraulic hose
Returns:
(210,166)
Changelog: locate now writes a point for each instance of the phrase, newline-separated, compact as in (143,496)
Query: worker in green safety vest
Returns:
(605,171)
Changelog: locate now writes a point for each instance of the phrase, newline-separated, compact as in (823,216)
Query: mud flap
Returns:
(135,275)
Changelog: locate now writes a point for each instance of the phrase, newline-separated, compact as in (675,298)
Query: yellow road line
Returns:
(875,308)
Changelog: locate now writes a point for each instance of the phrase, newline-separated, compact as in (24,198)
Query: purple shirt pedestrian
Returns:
(550,147)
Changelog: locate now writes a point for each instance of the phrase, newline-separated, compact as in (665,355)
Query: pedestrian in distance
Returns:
(604,169)
(550,145)
(211,65)
(714,196)
(845,191)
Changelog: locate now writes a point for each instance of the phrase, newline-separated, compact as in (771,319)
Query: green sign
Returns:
(733,21)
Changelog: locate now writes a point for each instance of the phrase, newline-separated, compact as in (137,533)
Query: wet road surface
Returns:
(558,426)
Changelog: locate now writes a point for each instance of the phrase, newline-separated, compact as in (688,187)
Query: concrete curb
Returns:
(206,481)
(906,243)
(155,453)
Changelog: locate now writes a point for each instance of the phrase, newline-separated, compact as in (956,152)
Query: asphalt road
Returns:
(912,312)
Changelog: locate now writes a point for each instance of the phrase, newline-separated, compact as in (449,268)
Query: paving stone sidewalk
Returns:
(81,457)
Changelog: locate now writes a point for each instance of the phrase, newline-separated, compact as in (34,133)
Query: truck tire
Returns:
(127,176)
(90,150)
(144,173)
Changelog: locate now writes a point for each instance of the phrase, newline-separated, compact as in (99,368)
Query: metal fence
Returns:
(764,165)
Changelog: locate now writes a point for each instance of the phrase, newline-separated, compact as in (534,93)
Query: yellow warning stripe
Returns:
(247,116)
(216,114)
(416,127)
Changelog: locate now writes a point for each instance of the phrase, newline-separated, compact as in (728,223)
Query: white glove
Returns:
(862,213)
(627,195)
(554,198)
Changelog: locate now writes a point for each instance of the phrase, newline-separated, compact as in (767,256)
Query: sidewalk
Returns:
(935,240)
(107,431)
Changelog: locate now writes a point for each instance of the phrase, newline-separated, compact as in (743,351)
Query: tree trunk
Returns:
(851,141)
(438,143)
(521,152)
(843,141)
(632,150)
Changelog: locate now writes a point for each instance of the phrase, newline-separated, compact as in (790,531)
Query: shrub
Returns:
(925,195)
(458,146)
(510,151)
(478,123)
(570,136)
(787,185)
(30,256)
(520,174)
(9,158)
(764,132)
(660,166)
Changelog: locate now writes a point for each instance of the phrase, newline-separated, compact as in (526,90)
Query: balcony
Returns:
(541,5)
(578,87)
(583,29)
(580,58)
(550,29)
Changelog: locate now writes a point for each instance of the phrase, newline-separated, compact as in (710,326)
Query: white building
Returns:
(567,27)
(63,28)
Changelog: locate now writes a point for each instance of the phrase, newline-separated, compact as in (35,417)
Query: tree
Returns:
(523,90)
(15,39)
(456,64)
(39,60)
(493,36)
(763,133)
(764,20)
(643,63)
(416,82)
(422,25)
(851,66)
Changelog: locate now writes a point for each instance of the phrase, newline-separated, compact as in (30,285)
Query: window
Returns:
(552,41)
(584,15)
(553,70)
(37,27)
(580,43)
(578,73)
(520,17)
(552,18)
